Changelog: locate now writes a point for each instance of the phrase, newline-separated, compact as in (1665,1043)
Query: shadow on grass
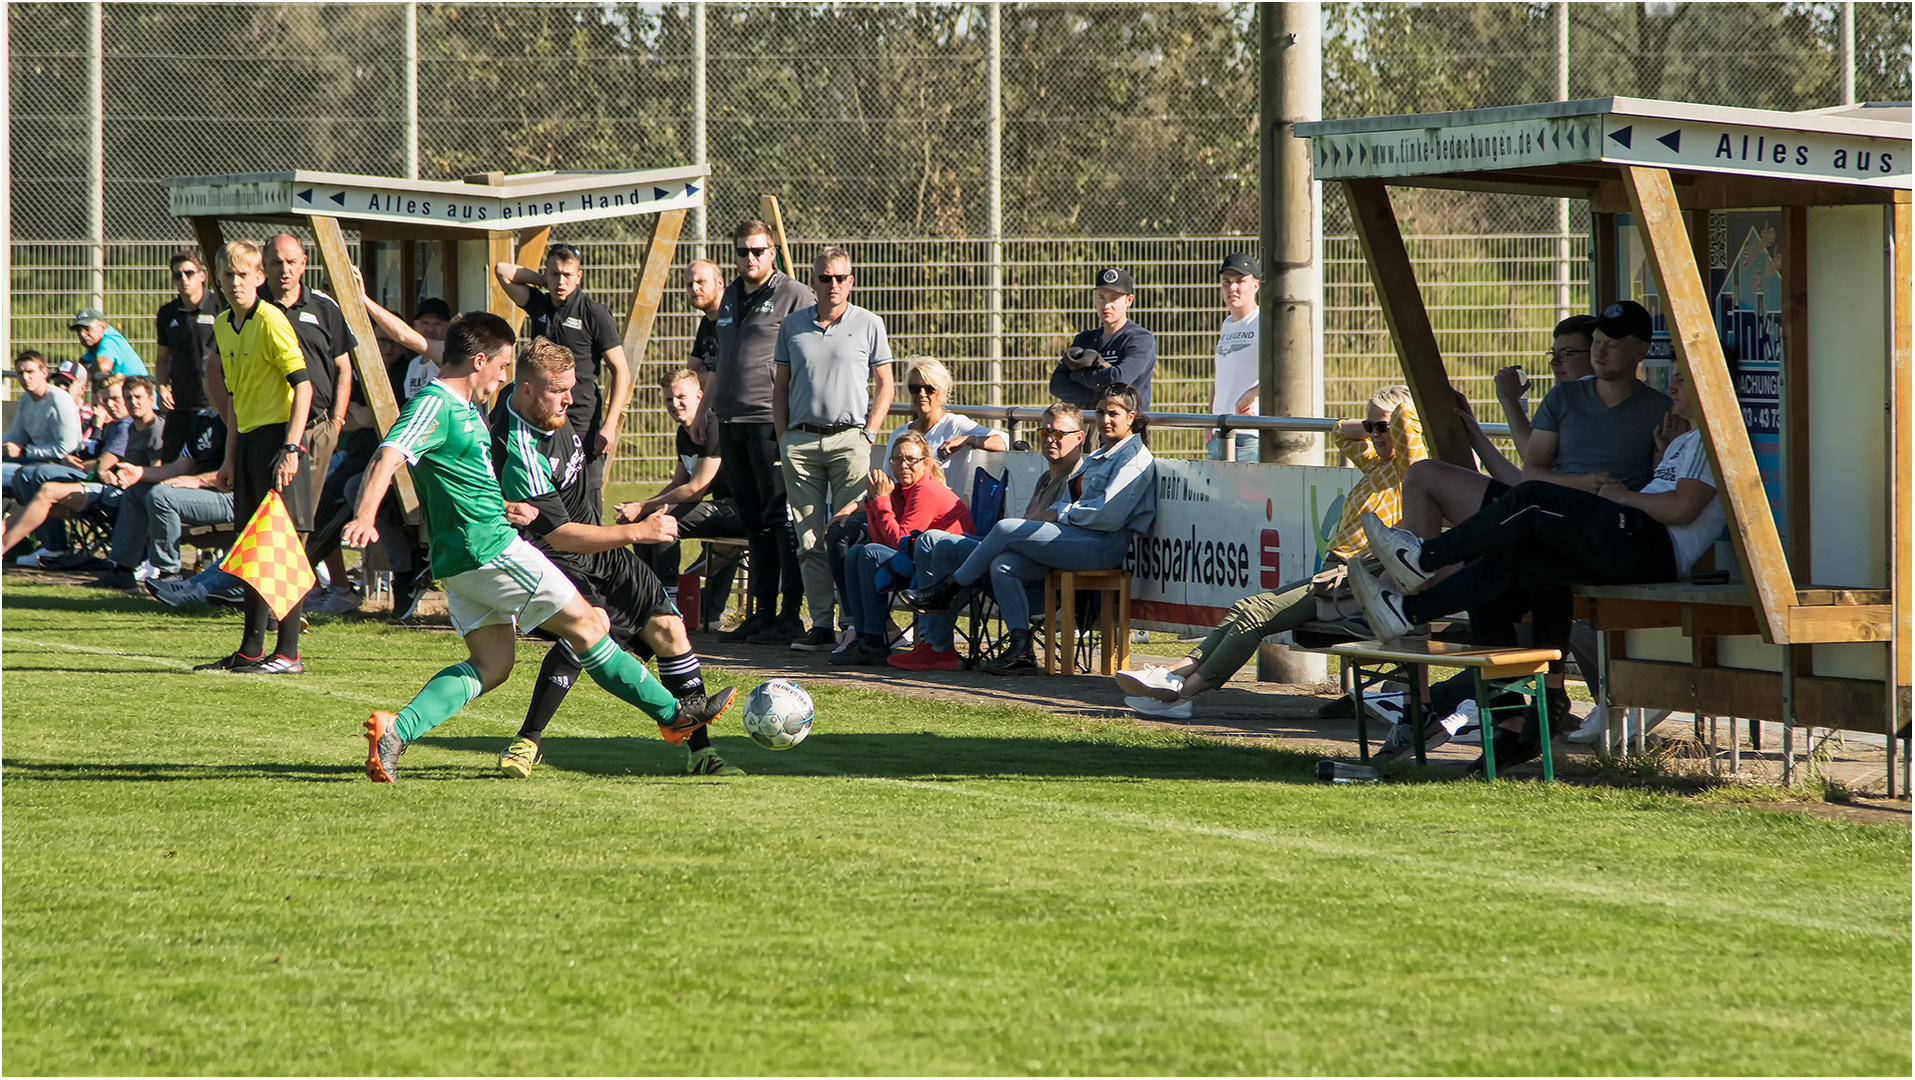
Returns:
(928,756)
(94,601)
(155,772)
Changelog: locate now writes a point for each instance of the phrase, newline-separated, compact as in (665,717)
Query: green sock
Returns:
(446,693)
(622,676)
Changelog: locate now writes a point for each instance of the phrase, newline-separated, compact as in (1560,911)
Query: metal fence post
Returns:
(412,90)
(96,149)
(698,119)
(1562,205)
(994,197)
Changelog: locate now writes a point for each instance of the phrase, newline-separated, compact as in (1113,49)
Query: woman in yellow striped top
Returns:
(1382,445)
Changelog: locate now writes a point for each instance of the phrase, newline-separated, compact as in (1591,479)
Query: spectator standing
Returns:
(268,392)
(107,350)
(324,340)
(750,312)
(1237,377)
(1114,351)
(561,312)
(184,327)
(827,422)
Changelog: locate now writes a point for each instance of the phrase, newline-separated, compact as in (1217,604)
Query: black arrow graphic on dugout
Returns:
(338,197)
(690,190)
(1673,141)
(306,196)
(1623,135)
(660,193)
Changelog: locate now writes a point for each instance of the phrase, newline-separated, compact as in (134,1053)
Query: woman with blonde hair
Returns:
(919,501)
(1382,445)
(927,386)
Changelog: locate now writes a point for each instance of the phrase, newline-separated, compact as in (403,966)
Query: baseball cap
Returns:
(1112,278)
(1625,318)
(65,373)
(432,305)
(86,316)
(1243,263)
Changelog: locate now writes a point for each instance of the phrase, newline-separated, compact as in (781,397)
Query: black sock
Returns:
(556,676)
(287,643)
(700,738)
(875,641)
(252,640)
(681,674)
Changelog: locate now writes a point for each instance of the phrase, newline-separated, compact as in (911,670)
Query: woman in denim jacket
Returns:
(1113,496)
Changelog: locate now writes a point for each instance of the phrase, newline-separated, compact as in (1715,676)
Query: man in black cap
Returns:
(1235,391)
(1116,350)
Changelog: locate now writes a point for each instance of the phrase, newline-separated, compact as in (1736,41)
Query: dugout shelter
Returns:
(486,219)
(1778,239)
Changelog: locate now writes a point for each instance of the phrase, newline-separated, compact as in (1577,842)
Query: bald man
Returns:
(324,338)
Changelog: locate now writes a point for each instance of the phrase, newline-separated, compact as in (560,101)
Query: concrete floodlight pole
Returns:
(1290,91)
(412,90)
(994,197)
(96,150)
(6,202)
(1848,52)
(698,120)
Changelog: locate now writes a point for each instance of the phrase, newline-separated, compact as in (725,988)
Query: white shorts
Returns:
(520,586)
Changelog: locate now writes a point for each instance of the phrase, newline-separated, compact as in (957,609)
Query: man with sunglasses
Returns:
(562,312)
(184,326)
(827,421)
(750,312)
(1116,350)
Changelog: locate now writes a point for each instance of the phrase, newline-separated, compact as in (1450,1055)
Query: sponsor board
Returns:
(1224,530)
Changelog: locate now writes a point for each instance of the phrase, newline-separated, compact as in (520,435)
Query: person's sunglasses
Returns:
(1057,433)
(1564,354)
(921,388)
(754,252)
(182,274)
(1376,427)
(834,279)
(907,461)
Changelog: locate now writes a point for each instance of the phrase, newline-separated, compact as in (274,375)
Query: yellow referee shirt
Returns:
(257,358)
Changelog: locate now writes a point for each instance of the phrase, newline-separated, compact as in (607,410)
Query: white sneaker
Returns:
(39,558)
(1155,709)
(1592,727)
(1382,608)
(177,593)
(335,602)
(145,572)
(1156,683)
(1398,550)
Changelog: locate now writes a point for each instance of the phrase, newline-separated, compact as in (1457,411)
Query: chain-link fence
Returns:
(1127,136)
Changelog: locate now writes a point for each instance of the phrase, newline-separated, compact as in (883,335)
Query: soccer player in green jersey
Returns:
(495,581)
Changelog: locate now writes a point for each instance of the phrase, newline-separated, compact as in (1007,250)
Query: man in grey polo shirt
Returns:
(1599,431)
(827,423)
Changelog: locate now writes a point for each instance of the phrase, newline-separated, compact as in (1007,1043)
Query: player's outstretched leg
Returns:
(488,664)
(684,677)
(624,677)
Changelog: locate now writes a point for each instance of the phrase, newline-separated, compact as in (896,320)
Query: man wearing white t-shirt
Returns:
(1235,391)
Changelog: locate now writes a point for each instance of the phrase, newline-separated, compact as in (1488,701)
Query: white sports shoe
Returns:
(1156,683)
(1382,608)
(176,593)
(1592,727)
(1155,709)
(42,557)
(1398,550)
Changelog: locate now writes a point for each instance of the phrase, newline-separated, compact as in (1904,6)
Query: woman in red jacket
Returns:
(918,501)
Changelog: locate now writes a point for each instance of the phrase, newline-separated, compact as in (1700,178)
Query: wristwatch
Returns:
(870,436)
(293,448)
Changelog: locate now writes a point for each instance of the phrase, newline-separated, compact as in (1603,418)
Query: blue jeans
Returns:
(164,514)
(1019,550)
(938,556)
(27,483)
(1246,446)
(867,608)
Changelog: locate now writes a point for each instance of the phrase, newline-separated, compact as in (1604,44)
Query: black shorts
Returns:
(254,455)
(620,583)
(1493,489)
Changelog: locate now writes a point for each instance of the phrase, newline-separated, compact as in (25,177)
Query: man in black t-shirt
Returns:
(541,466)
(562,312)
(324,339)
(184,327)
(164,500)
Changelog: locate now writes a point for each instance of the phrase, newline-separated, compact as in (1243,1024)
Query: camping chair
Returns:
(987,509)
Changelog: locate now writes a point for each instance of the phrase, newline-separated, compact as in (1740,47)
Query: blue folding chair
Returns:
(987,509)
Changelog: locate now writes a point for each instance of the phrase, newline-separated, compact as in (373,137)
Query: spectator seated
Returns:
(917,502)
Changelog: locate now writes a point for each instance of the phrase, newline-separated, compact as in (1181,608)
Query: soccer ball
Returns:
(778,714)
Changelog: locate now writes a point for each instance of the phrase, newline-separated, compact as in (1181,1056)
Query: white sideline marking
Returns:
(1423,863)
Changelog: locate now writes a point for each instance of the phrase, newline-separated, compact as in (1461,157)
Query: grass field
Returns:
(198,878)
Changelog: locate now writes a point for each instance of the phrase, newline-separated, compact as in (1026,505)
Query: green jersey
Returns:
(446,441)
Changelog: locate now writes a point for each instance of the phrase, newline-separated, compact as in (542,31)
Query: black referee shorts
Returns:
(254,455)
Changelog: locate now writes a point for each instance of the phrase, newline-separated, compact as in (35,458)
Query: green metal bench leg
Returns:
(1542,721)
(1488,726)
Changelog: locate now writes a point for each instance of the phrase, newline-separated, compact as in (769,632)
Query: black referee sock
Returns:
(287,643)
(556,676)
(681,674)
(252,640)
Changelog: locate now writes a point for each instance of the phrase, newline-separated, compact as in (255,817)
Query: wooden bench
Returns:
(1521,671)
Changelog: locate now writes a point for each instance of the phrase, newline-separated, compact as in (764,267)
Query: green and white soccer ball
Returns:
(778,714)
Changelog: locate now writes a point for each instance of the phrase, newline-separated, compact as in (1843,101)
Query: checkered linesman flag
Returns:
(269,557)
